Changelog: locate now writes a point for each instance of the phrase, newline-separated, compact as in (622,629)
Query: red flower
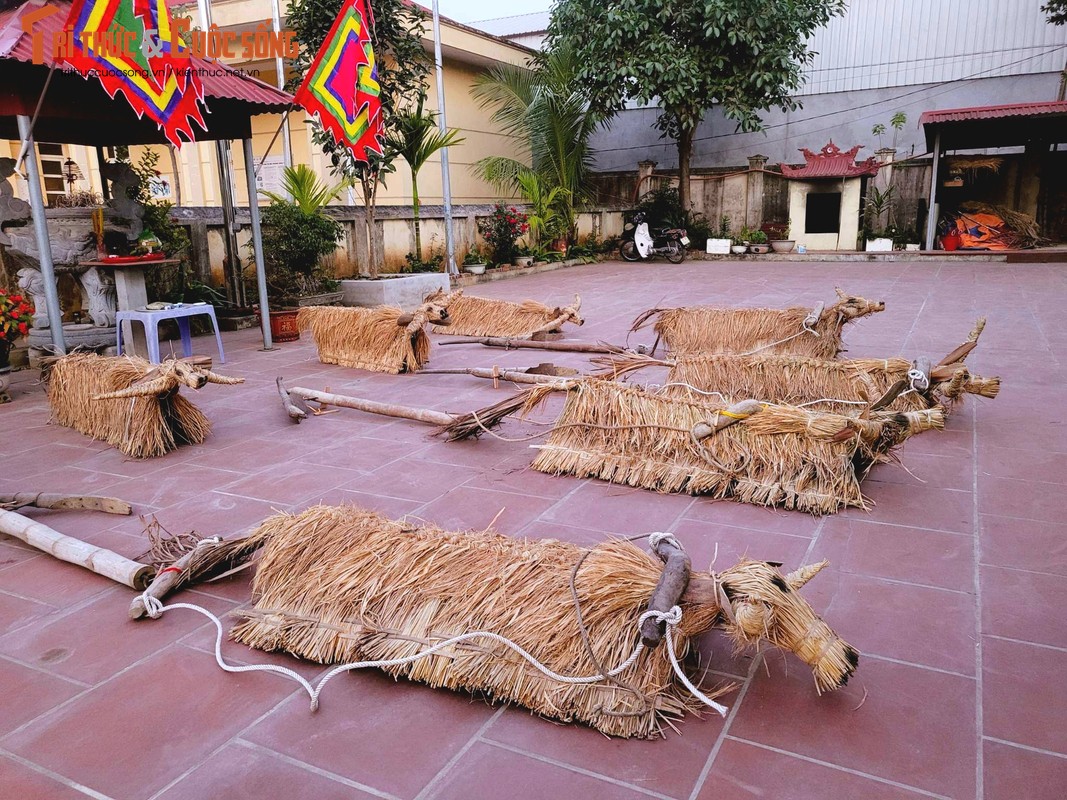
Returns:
(16,298)
(23,328)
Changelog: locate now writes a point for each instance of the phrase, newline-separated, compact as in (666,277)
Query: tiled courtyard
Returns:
(953,586)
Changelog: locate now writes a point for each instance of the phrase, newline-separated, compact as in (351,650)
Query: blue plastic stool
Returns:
(150,321)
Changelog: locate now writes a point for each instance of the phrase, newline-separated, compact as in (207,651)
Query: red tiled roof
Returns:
(992,112)
(17,45)
(831,162)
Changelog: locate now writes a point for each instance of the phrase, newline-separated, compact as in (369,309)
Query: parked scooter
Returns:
(640,244)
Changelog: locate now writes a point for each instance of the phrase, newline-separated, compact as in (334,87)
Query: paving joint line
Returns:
(59,778)
(432,784)
(979,689)
(1022,746)
(323,773)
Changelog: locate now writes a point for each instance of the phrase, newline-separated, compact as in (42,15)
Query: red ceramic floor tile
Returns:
(948,443)
(484,452)
(411,479)
(52,581)
(114,462)
(29,693)
(356,453)
(13,551)
(393,507)
(621,510)
(177,706)
(585,537)
(466,508)
(1031,465)
(514,474)
(756,518)
(97,640)
(918,506)
(1020,701)
(489,773)
(1023,544)
(24,783)
(1016,605)
(392,736)
(702,540)
(290,482)
(1024,499)
(1038,434)
(216,514)
(16,612)
(244,773)
(906,724)
(932,558)
(670,765)
(745,770)
(203,641)
(1012,772)
(923,469)
(181,482)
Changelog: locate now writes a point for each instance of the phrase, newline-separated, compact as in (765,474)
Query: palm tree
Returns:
(416,138)
(552,121)
(308,193)
(544,218)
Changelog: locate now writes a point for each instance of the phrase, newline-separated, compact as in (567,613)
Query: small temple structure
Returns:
(824,197)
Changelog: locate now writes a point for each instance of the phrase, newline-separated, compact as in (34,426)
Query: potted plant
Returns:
(474,261)
(878,204)
(16,316)
(523,257)
(778,236)
(297,236)
(720,244)
(501,230)
(757,242)
(738,244)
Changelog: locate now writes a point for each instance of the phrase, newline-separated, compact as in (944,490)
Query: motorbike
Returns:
(641,243)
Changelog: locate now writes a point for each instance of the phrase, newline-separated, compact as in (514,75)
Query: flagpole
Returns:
(450,243)
(279,66)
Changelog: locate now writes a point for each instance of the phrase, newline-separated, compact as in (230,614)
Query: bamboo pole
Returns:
(103,562)
(495,373)
(510,344)
(109,505)
(372,407)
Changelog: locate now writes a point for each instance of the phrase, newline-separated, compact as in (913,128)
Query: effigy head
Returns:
(854,306)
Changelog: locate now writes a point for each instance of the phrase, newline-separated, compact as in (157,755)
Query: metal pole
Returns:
(931,212)
(279,67)
(442,125)
(40,230)
(257,246)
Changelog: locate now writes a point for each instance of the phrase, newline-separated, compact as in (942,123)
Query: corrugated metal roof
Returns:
(831,162)
(219,80)
(992,112)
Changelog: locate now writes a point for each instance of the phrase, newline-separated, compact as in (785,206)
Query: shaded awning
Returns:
(79,111)
(1013,125)
(831,162)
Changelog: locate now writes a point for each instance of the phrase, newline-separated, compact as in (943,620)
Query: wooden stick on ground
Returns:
(292,405)
(109,505)
(511,344)
(66,548)
(495,373)
(373,407)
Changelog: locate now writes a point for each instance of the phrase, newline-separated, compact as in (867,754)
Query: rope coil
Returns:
(672,618)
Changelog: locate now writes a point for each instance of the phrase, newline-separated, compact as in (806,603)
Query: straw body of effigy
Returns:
(341,584)
(799,331)
(482,316)
(382,339)
(129,403)
(781,455)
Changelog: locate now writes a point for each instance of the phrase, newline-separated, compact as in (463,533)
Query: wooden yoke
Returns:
(671,586)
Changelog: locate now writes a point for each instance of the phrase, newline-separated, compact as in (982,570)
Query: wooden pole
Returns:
(510,375)
(109,505)
(670,588)
(65,548)
(372,407)
(510,344)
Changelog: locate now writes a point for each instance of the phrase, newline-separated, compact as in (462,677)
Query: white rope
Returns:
(918,380)
(805,328)
(155,609)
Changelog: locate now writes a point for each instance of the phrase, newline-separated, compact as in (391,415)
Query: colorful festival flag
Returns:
(130,46)
(341,86)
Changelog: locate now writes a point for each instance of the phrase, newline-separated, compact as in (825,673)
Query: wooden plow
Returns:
(816,332)
(129,403)
(337,585)
(843,385)
(382,339)
(481,316)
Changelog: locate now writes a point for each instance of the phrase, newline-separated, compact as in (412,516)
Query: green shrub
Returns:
(294,244)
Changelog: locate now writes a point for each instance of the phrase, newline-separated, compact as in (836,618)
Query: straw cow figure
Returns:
(381,339)
(337,585)
(482,316)
(797,331)
(130,403)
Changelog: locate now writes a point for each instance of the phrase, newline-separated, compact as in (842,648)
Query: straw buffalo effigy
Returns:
(770,455)
(843,385)
(382,339)
(798,331)
(341,584)
(482,316)
(130,403)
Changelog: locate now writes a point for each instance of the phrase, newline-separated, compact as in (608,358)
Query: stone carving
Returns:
(99,290)
(11,207)
(31,283)
(123,178)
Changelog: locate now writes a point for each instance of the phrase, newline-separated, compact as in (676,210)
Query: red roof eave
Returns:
(992,112)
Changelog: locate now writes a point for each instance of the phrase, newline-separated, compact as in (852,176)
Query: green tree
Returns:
(308,193)
(745,56)
(416,137)
(1057,11)
(402,63)
(551,118)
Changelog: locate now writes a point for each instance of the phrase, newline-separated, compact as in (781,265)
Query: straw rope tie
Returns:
(155,609)
(918,380)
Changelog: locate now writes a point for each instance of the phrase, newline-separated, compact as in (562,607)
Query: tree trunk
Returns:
(177,175)
(369,184)
(415,208)
(685,150)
